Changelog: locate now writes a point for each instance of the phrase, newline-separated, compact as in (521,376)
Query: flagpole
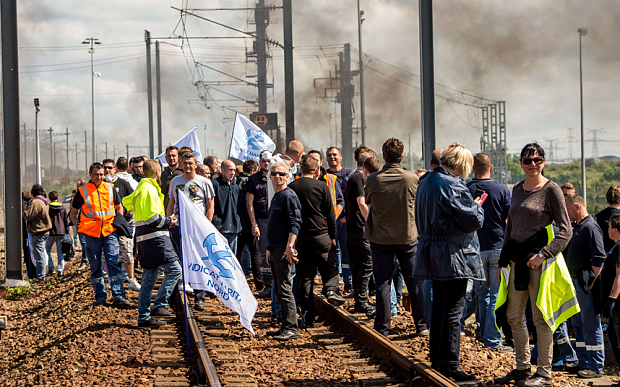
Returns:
(232,136)
(186,306)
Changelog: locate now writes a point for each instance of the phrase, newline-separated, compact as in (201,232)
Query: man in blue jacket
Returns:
(225,215)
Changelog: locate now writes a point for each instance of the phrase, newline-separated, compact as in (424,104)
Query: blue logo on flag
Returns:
(216,256)
(254,140)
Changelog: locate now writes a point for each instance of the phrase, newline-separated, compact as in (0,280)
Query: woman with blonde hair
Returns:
(447,217)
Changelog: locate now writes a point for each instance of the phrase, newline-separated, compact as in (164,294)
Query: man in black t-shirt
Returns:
(316,241)
(602,218)
(357,245)
(612,290)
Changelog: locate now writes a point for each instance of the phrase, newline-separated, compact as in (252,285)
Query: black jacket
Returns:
(520,254)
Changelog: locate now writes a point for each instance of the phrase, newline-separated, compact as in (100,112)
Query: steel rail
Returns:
(413,369)
(205,368)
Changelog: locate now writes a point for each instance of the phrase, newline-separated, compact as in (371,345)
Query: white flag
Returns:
(248,140)
(208,263)
(189,140)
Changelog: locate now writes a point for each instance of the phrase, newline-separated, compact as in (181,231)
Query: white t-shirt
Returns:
(198,190)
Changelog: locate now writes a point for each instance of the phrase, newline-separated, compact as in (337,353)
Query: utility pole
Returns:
(68,168)
(25,174)
(158,84)
(149,87)
(127,152)
(289,95)
(10,115)
(361,70)
(427,77)
(346,104)
(51,155)
(261,17)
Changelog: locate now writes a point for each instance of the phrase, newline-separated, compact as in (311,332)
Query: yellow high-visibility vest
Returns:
(146,201)
(556,299)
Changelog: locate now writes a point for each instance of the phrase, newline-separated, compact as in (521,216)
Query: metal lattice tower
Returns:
(493,140)
(571,139)
(595,132)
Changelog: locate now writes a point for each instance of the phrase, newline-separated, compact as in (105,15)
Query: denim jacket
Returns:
(447,219)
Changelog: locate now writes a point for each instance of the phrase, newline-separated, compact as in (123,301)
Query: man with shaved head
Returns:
(203,170)
(225,215)
(491,236)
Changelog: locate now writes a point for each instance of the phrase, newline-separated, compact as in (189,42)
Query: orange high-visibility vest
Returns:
(331,181)
(98,210)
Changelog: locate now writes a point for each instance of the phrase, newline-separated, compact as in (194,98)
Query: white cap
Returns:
(266,155)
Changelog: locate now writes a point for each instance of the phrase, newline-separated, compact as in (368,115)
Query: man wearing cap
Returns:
(258,205)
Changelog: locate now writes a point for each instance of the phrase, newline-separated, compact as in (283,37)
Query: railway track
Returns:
(375,360)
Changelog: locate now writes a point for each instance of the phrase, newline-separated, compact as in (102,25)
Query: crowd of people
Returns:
(530,264)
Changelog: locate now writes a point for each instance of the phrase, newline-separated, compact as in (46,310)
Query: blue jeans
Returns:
(487,296)
(109,246)
(85,254)
(468,303)
(48,247)
(40,255)
(265,269)
(232,241)
(342,256)
(245,261)
(75,236)
(149,278)
(588,332)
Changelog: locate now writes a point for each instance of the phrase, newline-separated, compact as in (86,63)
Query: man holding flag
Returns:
(154,246)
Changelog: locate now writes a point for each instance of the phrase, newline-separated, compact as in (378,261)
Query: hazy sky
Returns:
(525,53)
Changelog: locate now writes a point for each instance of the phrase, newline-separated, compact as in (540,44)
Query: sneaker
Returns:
(121,303)
(588,374)
(188,288)
(60,274)
(199,305)
(424,333)
(161,311)
(137,270)
(535,380)
(134,285)
(82,266)
(151,323)
(515,374)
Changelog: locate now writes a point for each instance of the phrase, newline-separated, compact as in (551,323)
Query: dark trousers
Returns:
(384,264)
(281,272)
(31,267)
(613,335)
(247,239)
(176,241)
(315,252)
(445,338)
(361,265)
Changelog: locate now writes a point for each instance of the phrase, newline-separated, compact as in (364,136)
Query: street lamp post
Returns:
(92,42)
(37,149)
(582,32)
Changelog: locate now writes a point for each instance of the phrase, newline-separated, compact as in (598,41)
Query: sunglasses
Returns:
(108,167)
(274,173)
(528,160)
